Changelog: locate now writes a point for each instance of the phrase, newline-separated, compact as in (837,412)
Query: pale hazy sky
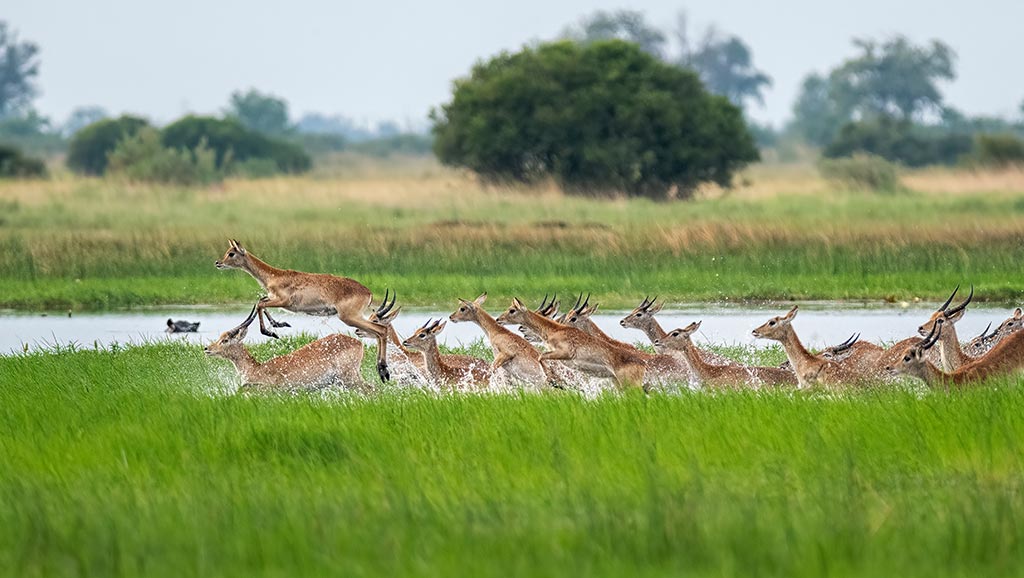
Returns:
(381,60)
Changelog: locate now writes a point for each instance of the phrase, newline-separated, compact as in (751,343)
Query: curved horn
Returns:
(963,305)
(846,344)
(576,305)
(984,331)
(543,303)
(929,341)
(646,303)
(950,300)
(248,321)
(427,324)
(586,302)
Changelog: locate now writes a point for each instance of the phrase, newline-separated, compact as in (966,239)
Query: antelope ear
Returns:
(697,325)
(592,309)
(691,327)
(792,312)
(517,303)
(655,308)
(1018,313)
(237,246)
(480,300)
(439,327)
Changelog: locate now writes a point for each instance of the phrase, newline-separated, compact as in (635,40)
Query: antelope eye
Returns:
(232,254)
(511,310)
(772,322)
(639,314)
(462,309)
(906,358)
(675,334)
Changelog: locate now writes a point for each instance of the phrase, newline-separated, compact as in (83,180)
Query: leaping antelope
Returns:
(385,315)
(448,371)
(332,360)
(511,352)
(311,293)
(1006,358)
(810,369)
(585,352)
(723,376)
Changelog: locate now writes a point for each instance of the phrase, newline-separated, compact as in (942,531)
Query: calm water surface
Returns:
(818,324)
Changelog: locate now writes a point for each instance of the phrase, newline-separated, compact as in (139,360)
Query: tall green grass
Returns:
(139,462)
(95,244)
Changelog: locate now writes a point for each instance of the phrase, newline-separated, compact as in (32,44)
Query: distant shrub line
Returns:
(192,150)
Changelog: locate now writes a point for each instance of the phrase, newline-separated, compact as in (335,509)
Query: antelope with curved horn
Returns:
(1006,358)
(950,351)
(642,318)
(723,376)
(863,354)
(447,371)
(399,355)
(983,343)
(547,309)
(662,367)
(511,352)
(332,360)
(580,350)
(810,369)
(311,293)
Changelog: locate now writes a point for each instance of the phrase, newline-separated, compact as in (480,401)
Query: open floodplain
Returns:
(147,460)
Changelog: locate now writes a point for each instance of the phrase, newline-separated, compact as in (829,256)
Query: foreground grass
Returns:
(136,462)
(97,244)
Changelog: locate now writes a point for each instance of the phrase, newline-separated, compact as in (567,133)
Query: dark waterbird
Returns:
(181,326)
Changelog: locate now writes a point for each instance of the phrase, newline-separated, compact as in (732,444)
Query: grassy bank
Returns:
(433,236)
(137,463)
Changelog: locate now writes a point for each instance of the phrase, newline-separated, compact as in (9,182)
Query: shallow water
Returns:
(818,324)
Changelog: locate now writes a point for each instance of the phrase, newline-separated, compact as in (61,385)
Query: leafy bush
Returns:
(142,157)
(232,141)
(14,164)
(900,142)
(997,150)
(601,117)
(90,147)
(862,172)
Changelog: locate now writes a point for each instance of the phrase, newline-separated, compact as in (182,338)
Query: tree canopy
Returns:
(724,62)
(599,117)
(264,113)
(891,78)
(19,66)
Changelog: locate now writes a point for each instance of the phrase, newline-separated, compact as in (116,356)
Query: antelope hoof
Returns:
(382,371)
(270,333)
(279,323)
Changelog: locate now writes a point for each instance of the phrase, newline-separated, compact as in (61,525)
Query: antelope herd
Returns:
(559,350)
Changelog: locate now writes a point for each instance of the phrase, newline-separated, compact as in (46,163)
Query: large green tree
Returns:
(19,66)
(602,117)
(890,78)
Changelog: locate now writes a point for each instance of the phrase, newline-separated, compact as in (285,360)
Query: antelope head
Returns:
(834,351)
(580,312)
(547,309)
(947,314)
(776,327)
(425,337)
(913,362)
(229,344)
(516,314)
(983,342)
(678,338)
(234,258)
(468,310)
(642,315)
